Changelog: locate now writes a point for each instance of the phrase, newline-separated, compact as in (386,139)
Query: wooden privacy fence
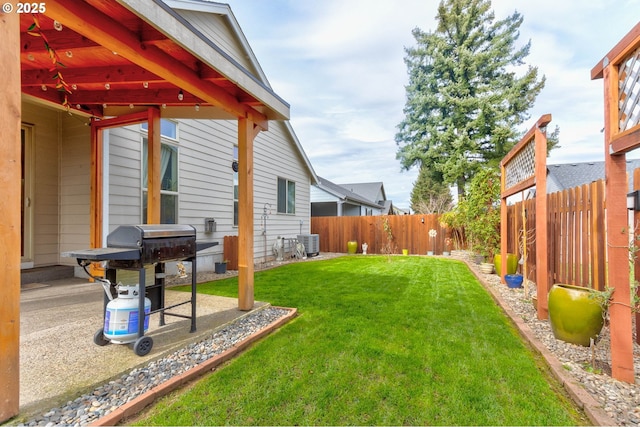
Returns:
(576,235)
(409,232)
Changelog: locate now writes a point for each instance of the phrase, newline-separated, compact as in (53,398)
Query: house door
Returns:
(26,247)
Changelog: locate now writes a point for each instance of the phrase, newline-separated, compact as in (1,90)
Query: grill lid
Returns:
(133,236)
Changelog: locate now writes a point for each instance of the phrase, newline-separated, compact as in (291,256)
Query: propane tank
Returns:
(121,316)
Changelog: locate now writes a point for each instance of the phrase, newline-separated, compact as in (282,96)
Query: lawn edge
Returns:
(594,410)
(136,405)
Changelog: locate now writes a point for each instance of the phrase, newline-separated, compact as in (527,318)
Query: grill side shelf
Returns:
(104,254)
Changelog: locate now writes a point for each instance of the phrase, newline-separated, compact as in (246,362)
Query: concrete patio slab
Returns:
(58,358)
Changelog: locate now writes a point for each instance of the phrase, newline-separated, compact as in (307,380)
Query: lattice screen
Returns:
(629,91)
(522,166)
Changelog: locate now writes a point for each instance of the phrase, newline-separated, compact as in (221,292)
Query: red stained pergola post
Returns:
(621,135)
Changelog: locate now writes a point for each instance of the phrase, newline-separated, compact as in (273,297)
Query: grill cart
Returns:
(134,247)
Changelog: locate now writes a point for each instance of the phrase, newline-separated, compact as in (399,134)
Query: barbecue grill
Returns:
(135,247)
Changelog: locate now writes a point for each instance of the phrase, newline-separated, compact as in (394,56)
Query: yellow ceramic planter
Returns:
(574,317)
(512,263)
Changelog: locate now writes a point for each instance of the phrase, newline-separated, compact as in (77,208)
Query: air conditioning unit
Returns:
(311,243)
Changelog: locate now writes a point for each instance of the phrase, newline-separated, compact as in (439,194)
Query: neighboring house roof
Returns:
(569,175)
(370,190)
(343,193)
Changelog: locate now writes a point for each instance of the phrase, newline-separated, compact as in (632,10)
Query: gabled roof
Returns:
(344,193)
(369,190)
(569,175)
(221,9)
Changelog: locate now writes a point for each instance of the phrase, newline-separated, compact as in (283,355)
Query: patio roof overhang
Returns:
(102,58)
(117,57)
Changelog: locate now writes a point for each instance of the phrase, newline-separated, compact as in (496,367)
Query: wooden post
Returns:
(636,253)
(97,172)
(10,167)
(96,186)
(617,239)
(247,131)
(503,225)
(154,167)
(542,260)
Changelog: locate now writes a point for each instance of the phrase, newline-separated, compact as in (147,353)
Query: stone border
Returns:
(136,405)
(592,408)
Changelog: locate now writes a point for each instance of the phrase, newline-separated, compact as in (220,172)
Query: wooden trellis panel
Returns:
(629,92)
(525,166)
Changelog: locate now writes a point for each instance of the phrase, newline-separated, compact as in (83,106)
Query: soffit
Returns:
(108,57)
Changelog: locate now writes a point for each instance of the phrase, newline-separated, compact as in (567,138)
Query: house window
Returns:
(168,128)
(168,173)
(286,196)
(235,188)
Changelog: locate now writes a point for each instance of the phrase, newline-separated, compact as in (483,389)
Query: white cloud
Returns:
(340,64)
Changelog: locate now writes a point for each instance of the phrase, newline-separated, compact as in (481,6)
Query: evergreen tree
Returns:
(464,97)
(429,195)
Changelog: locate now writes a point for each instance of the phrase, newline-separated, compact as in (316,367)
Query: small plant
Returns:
(603,298)
(453,221)
(389,247)
(592,369)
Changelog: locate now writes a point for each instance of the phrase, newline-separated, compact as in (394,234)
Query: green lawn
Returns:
(413,341)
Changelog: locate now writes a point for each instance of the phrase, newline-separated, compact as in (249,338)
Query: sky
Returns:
(340,66)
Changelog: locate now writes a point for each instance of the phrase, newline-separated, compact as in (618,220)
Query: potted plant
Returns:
(576,313)
(221,267)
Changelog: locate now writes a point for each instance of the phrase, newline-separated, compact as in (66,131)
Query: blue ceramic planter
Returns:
(513,280)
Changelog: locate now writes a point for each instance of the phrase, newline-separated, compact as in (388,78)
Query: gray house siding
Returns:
(220,32)
(205,175)
(74,188)
(46,220)
(124,178)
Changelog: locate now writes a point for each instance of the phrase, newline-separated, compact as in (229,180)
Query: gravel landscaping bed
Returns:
(590,367)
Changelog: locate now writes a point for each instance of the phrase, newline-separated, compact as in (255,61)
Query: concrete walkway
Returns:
(58,359)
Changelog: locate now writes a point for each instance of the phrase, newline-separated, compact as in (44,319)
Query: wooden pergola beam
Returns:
(85,20)
(10,165)
(93,75)
(620,50)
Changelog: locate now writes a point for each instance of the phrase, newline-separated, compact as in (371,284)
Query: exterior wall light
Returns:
(633,201)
